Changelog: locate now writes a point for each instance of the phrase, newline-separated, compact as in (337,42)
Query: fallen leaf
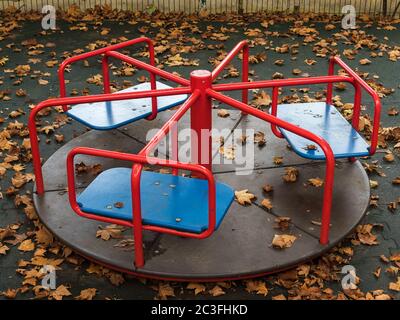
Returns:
(278,160)
(365,61)
(10,293)
(26,245)
(268,188)
(60,292)
(244,197)
(283,240)
(216,291)
(165,291)
(316,182)
(223,113)
(389,157)
(282,223)
(197,287)
(266,203)
(291,174)
(111,231)
(87,294)
(259,138)
(395,286)
(257,286)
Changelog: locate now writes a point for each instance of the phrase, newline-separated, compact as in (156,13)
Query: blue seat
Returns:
(325,121)
(113,114)
(170,201)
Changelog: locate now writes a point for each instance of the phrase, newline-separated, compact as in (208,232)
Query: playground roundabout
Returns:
(241,247)
(188,217)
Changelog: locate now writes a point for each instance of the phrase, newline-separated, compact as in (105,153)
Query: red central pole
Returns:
(201,119)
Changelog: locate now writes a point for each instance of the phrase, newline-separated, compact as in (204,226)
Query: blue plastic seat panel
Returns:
(325,121)
(170,201)
(113,114)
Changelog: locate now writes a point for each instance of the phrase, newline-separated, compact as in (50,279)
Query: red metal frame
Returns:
(358,84)
(242,46)
(202,92)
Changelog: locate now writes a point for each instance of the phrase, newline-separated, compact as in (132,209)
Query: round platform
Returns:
(241,247)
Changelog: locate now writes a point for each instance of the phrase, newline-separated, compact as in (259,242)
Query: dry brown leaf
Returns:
(396,181)
(259,138)
(278,160)
(291,174)
(389,157)
(223,113)
(279,297)
(393,112)
(216,291)
(228,152)
(257,286)
(111,231)
(316,182)
(365,235)
(197,287)
(87,294)
(262,99)
(10,293)
(3,249)
(26,245)
(282,241)
(395,286)
(60,292)
(268,188)
(244,197)
(373,184)
(282,223)
(165,291)
(266,203)
(365,61)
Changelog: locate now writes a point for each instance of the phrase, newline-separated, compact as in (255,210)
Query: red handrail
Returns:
(241,46)
(275,84)
(136,224)
(82,99)
(358,83)
(106,83)
(330,159)
(145,66)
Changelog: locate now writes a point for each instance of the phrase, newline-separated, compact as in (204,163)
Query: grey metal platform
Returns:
(241,247)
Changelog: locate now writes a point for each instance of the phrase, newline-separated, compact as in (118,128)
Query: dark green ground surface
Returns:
(366,258)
